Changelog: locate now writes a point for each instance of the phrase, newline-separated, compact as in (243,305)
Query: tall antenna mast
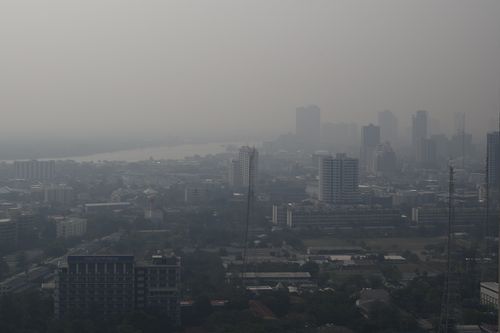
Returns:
(251,179)
(463,141)
(447,322)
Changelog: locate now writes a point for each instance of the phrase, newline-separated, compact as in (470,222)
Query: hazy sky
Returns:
(93,66)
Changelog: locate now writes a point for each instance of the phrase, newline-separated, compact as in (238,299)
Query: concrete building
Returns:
(338,180)
(157,286)
(465,217)
(249,163)
(70,227)
(330,217)
(35,170)
(388,123)
(308,127)
(245,169)
(58,194)
(279,214)
(117,285)
(369,142)
(489,294)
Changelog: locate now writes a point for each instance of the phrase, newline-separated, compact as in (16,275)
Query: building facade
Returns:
(338,179)
(71,227)
(118,285)
(306,217)
(369,142)
(35,170)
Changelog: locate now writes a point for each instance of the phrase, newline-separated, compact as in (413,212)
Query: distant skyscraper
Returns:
(388,124)
(35,170)
(308,126)
(369,142)
(493,151)
(426,156)
(243,170)
(419,129)
(338,179)
(249,163)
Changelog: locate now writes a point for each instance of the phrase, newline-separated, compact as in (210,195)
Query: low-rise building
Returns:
(105,207)
(273,278)
(71,227)
(58,194)
(118,285)
(329,217)
(489,294)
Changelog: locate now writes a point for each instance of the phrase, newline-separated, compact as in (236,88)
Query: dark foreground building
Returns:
(115,285)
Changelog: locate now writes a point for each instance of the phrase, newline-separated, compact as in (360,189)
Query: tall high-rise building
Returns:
(388,123)
(426,154)
(35,170)
(243,170)
(308,126)
(118,285)
(249,163)
(493,151)
(369,142)
(339,180)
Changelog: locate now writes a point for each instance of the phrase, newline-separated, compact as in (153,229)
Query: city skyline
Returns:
(182,68)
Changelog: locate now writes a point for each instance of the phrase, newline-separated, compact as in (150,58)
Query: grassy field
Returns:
(397,244)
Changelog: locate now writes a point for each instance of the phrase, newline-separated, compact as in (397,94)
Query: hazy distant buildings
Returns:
(419,129)
(426,154)
(70,227)
(338,179)
(388,124)
(35,170)
(385,160)
(370,141)
(58,194)
(299,216)
(234,175)
(308,126)
(493,151)
(243,171)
